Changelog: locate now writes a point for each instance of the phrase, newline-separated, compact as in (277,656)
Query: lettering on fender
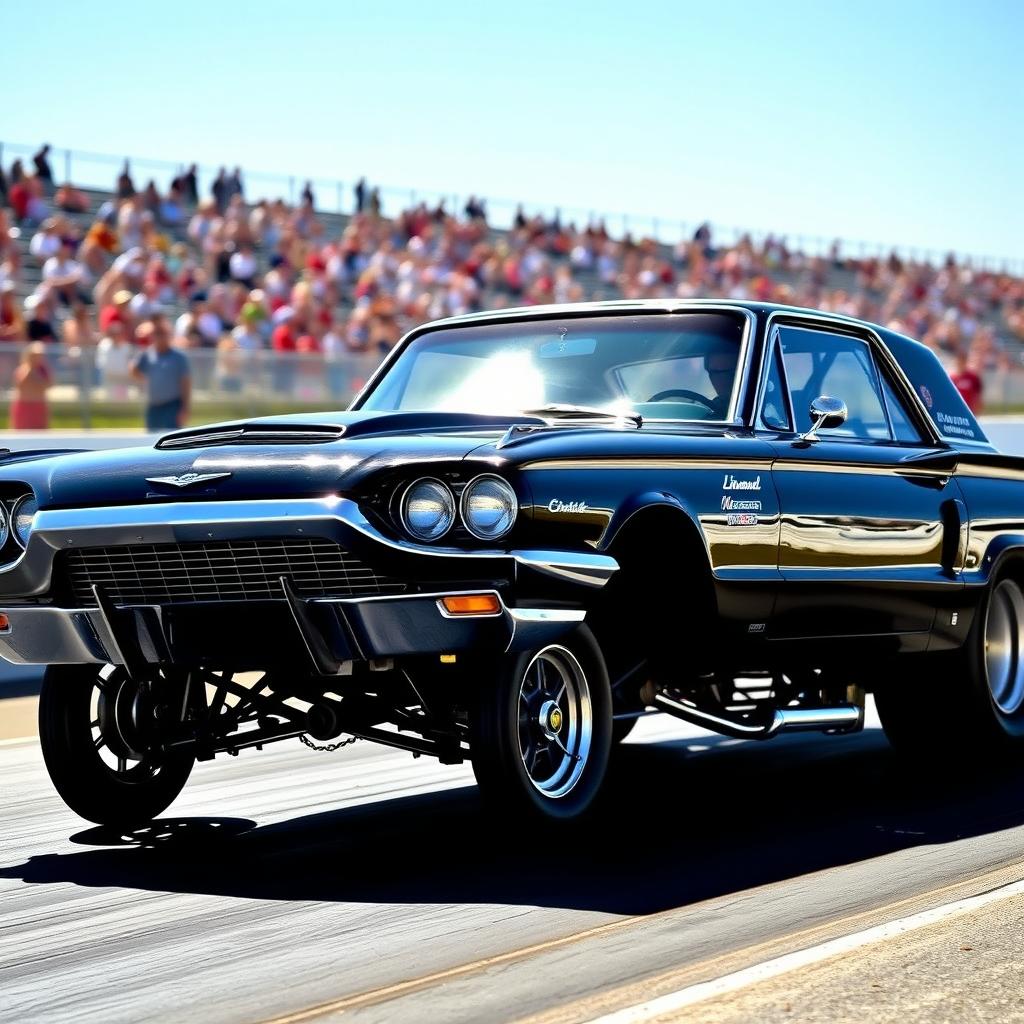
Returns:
(730,483)
(556,505)
(741,519)
(731,504)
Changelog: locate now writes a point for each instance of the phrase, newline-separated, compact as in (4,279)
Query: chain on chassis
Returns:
(220,712)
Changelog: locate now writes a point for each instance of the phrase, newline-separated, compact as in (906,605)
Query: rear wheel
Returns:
(974,696)
(97,732)
(541,733)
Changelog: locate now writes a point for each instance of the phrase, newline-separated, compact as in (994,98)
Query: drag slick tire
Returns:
(94,727)
(541,730)
(975,693)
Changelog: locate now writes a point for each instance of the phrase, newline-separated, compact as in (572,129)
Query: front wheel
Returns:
(96,730)
(541,731)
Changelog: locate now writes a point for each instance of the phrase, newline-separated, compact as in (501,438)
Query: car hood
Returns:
(303,456)
(274,457)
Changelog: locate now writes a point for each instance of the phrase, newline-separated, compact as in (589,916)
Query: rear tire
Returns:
(541,731)
(973,696)
(98,772)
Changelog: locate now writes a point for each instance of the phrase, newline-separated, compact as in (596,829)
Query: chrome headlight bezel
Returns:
(5,527)
(511,504)
(445,499)
(17,511)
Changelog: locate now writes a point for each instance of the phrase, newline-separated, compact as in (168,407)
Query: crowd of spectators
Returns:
(240,274)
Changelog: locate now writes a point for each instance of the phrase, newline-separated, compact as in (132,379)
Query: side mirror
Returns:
(826,414)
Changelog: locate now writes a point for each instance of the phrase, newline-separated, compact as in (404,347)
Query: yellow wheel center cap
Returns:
(555,719)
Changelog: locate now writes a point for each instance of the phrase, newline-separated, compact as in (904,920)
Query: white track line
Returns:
(685,997)
(18,739)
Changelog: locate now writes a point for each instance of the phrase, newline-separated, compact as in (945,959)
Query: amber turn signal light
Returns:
(471,604)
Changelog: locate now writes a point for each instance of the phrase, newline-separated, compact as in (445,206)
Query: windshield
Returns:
(670,367)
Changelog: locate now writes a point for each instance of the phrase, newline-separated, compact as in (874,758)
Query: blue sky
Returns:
(896,121)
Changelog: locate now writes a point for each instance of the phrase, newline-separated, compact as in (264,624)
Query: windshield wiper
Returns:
(566,415)
(563,411)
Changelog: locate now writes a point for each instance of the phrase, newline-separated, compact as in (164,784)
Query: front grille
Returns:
(229,570)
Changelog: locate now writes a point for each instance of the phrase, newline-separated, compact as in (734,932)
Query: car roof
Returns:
(661,305)
(619,306)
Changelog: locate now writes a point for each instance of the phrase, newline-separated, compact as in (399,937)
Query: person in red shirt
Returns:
(968,382)
(19,197)
(282,340)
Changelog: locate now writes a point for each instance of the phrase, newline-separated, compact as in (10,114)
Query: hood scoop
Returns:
(288,430)
(253,433)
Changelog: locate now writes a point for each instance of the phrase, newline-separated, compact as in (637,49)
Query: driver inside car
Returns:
(720,366)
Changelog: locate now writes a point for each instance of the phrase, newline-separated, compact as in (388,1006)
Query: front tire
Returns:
(973,696)
(93,758)
(541,732)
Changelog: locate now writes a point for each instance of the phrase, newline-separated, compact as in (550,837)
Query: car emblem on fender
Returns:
(186,479)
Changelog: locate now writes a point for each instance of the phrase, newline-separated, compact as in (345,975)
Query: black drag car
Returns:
(532,527)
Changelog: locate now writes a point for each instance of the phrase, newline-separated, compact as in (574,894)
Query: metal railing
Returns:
(336,195)
(90,389)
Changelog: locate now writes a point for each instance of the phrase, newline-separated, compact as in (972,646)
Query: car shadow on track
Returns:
(673,829)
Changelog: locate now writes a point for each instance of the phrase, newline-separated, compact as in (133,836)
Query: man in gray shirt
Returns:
(163,371)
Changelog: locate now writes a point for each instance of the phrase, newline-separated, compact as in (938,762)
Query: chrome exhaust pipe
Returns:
(843,718)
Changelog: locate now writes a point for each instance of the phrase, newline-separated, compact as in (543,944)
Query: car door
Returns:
(871,518)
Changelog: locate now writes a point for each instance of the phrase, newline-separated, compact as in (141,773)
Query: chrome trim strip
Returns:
(652,462)
(525,615)
(860,468)
(990,472)
(592,570)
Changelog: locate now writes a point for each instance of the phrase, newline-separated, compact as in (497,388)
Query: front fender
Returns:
(646,501)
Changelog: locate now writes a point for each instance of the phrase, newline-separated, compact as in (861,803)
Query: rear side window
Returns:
(943,403)
(903,428)
(818,363)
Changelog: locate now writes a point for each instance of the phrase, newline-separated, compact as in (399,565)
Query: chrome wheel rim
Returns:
(1004,670)
(556,721)
(111,697)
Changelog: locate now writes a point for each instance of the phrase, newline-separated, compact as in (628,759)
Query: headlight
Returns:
(22,515)
(428,509)
(489,507)
(4,527)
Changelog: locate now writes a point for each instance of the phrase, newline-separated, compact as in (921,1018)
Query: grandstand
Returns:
(358,280)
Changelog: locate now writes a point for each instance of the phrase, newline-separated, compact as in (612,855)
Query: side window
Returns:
(818,363)
(774,408)
(903,428)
